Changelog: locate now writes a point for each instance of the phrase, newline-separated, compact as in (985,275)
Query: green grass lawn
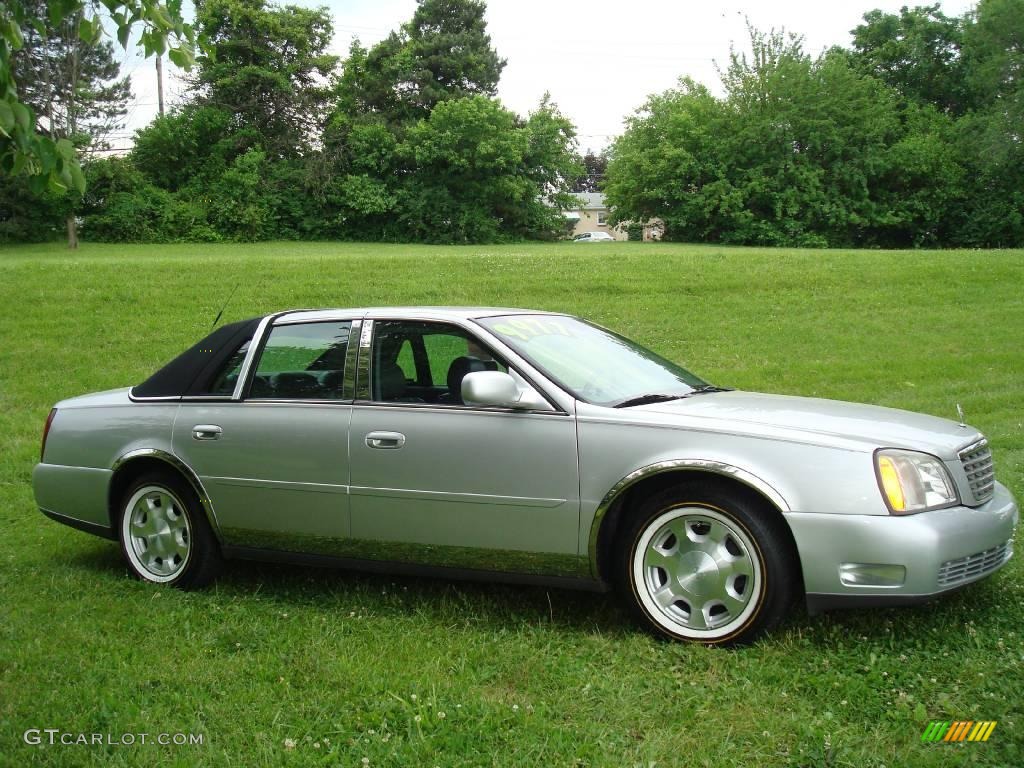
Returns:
(370,670)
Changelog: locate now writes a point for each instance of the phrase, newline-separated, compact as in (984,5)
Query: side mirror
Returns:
(499,390)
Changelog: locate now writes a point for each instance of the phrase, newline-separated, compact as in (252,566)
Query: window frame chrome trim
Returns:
(453,407)
(155,399)
(257,344)
(255,347)
(362,385)
(348,377)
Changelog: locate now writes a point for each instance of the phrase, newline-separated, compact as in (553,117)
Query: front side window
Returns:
(593,364)
(417,362)
(303,361)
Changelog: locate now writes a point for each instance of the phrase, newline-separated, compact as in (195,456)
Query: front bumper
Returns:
(940,551)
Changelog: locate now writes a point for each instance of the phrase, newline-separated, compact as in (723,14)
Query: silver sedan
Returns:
(522,446)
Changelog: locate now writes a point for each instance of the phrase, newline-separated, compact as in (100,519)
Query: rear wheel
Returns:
(165,536)
(706,565)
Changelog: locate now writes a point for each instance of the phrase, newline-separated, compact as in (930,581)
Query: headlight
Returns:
(913,482)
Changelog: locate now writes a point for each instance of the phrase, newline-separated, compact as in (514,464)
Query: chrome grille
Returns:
(972,567)
(981,475)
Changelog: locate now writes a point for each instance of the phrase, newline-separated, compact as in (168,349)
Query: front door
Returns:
(276,464)
(436,481)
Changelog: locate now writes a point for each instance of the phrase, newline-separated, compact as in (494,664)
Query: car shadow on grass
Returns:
(388,595)
(943,621)
(498,605)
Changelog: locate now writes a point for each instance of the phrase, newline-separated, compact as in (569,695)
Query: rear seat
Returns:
(298,385)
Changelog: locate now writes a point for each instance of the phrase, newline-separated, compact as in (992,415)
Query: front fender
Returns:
(615,454)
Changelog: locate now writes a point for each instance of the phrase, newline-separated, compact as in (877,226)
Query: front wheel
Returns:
(706,565)
(165,536)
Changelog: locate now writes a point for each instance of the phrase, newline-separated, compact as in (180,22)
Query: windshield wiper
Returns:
(705,388)
(660,398)
(645,399)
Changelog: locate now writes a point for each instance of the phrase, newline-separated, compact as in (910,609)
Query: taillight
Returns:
(46,432)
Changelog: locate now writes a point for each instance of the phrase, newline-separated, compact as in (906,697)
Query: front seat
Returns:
(457,372)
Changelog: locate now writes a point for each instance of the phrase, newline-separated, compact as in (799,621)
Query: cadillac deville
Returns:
(522,446)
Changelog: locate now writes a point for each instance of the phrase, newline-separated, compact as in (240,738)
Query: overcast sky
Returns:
(599,59)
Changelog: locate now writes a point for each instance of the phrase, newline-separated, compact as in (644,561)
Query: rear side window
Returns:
(302,361)
(224,382)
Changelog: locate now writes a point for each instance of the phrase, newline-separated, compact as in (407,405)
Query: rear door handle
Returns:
(206,432)
(385,440)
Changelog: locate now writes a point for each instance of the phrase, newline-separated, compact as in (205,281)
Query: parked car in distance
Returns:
(593,237)
(522,446)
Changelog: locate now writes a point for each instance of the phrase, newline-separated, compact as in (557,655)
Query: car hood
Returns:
(818,420)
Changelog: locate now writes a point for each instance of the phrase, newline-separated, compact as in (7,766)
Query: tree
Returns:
(442,53)
(23,149)
(994,51)
(670,164)
(800,151)
(72,86)
(990,138)
(594,167)
(918,52)
(477,173)
(267,67)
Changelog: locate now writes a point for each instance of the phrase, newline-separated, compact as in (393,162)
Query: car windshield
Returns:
(594,365)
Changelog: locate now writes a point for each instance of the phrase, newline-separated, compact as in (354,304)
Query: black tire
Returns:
(175,544)
(733,577)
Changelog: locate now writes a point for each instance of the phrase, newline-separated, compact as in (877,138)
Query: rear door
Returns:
(275,463)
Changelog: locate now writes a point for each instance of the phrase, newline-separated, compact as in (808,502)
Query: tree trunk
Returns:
(72,232)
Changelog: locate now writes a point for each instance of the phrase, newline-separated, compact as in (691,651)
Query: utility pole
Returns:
(160,83)
(71,126)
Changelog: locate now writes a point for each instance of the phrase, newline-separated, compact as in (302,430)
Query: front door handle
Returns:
(206,432)
(385,440)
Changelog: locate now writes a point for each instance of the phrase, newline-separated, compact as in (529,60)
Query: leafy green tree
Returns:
(23,148)
(994,50)
(442,53)
(418,148)
(989,138)
(466,182)
(670,164)
(919,52)
(594,167)
(193,141)
(267,67)
(798,152)
(72,86)
(552,161)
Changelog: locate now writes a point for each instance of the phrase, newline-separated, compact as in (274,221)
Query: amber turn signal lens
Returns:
(891,483)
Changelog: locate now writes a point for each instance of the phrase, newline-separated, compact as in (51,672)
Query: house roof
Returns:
(592,201)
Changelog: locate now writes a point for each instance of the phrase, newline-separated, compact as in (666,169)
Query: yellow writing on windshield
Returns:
(527,328)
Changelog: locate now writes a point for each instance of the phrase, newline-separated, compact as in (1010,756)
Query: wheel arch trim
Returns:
(674,465)
(182,468)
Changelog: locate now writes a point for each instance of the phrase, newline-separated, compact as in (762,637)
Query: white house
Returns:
(592,216)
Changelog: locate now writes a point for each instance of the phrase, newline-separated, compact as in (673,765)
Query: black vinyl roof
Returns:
(190,372)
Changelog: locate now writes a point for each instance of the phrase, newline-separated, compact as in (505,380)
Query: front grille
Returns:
(981,475)
(964,569)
